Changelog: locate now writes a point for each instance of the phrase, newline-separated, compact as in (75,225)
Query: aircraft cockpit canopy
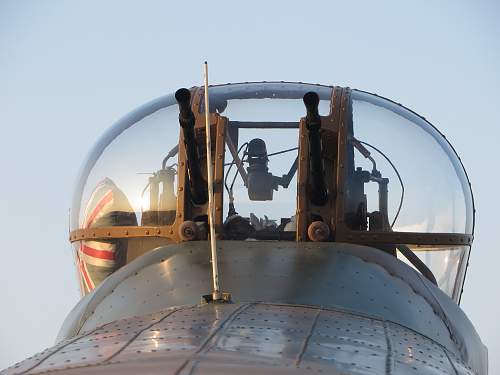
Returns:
(291,162)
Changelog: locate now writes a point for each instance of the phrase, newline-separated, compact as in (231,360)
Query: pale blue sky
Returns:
(68,70)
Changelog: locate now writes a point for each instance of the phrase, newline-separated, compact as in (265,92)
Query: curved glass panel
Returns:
(127,155)
(131,169)
(126,181)
(389,140)
(447,263)
(130,176)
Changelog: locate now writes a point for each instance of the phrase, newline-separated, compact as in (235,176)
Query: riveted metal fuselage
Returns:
(296,307)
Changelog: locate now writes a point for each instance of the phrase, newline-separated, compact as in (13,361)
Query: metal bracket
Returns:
(208,298)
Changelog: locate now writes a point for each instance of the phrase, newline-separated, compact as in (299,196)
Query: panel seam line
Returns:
(308,338)
(229,319)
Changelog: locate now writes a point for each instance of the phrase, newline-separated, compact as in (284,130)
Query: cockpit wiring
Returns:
(397,174)
(230,189)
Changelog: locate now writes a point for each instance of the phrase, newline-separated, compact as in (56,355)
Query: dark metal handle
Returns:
(198,186)
(318,194)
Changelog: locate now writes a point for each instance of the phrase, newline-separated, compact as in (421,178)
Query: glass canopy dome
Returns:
(392,179)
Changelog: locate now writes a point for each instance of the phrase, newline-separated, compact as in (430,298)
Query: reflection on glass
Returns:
(135,161)
(447,263)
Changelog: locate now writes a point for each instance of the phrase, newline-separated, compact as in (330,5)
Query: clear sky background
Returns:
(69,69)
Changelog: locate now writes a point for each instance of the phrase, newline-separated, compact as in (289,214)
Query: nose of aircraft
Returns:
(343,224)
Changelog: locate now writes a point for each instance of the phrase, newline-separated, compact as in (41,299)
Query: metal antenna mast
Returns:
(216,294)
